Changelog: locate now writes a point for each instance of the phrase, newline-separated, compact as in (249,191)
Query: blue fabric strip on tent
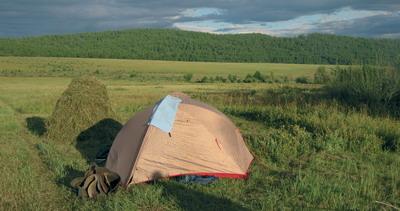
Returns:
(204,180)
(164,113)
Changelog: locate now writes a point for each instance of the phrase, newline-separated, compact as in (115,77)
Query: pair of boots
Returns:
(97,181)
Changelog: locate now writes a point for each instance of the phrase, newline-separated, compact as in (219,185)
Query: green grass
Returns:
(311,152)
(142,70)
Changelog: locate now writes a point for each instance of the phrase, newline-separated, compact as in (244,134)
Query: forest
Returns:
(177,45)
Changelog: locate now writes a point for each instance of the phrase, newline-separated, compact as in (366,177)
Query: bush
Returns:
(220,79)
(132,74)
(203,80)
(249,79)
(278,80)
(285,79)
(259,77)
(188,77)
(321,76)
(83,104)
(302,80)
(366,83)
(232,78)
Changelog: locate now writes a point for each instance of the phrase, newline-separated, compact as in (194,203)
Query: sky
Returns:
(365,18)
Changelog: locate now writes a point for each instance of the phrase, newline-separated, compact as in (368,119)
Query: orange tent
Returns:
(178,136)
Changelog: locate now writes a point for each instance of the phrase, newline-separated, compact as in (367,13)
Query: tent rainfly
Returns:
(178,136)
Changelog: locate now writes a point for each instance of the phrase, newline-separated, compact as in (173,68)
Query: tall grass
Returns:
(322,76)
(368,84)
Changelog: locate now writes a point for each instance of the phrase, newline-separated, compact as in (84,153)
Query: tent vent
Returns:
(164,113)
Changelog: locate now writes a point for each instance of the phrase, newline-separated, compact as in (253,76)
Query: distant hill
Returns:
(170,44)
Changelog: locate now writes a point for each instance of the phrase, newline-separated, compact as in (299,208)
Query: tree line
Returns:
(172,44)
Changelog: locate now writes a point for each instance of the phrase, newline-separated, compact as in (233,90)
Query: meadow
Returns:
(142,70)
(311,150)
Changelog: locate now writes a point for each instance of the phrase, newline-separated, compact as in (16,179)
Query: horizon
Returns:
(358,18)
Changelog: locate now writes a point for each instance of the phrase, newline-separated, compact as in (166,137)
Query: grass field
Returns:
(311,152)
(142,70)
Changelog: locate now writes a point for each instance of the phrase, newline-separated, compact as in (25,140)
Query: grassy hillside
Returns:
(143,70)
(168,44)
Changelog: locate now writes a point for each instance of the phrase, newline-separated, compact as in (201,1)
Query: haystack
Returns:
(84,103)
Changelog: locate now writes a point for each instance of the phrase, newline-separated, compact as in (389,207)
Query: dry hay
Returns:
(84,103)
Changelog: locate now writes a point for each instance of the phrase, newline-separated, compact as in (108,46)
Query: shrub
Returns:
(132,74)
(249,79)
(232,78)
(278,80)
(203,80)
(366,83)
(259,77)
(188,77)
(321,76)
(220,79)
(302,80)
(285,79)
(84,103)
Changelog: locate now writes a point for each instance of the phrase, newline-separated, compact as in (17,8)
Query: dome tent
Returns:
(178,136)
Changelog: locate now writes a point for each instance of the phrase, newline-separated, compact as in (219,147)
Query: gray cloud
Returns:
(27,17)
(379,26)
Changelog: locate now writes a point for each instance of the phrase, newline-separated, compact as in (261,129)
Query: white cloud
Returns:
(326,23)
(219,27)
(200,12)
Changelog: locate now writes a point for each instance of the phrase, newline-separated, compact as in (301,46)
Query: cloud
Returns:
(387,26)
(279,18)
(196,13)
(219,27)
(327,23)
(201,12)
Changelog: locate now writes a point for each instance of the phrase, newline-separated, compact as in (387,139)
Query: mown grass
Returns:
(143,70)
(23,186)
(311,152)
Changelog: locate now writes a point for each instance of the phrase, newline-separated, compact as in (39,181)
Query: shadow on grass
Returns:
(70,174)
(300,96)
(189,199)
(308,95)
(97,137)
(36,125)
